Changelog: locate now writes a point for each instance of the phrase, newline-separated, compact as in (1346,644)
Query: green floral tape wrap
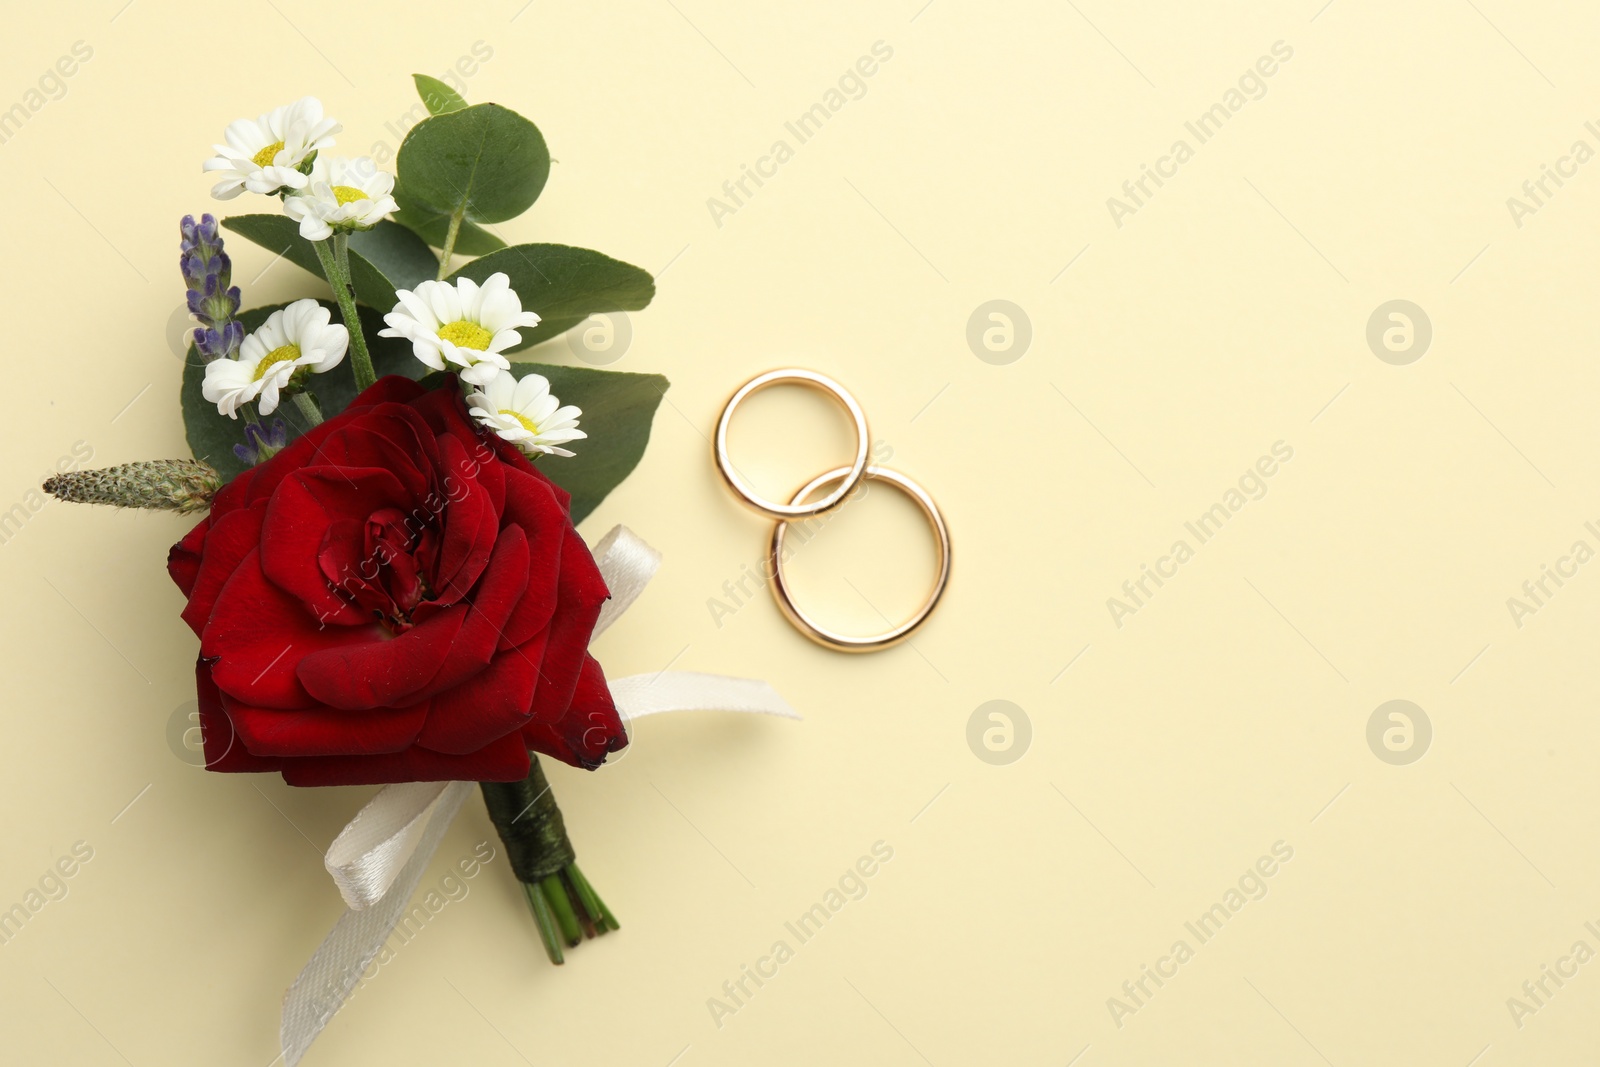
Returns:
(530,824)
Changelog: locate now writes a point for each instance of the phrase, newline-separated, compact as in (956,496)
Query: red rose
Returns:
(395,597)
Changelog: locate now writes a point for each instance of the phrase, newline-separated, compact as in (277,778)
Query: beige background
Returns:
(1168,354)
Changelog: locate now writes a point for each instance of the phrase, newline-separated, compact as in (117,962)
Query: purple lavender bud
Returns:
(262,442)
(212,297)
(210,343)
(204,343)
(232,338)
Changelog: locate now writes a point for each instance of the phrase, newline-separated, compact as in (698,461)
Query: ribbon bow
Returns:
(378,859)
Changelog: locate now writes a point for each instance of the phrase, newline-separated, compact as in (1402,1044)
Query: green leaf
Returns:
(486,163)
(618,409)
(385,258)
(212,435)
(565,285)
(431,224)
(398,255)
(439,97)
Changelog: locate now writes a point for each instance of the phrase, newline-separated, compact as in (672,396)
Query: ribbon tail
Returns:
(651,694)
(359,935)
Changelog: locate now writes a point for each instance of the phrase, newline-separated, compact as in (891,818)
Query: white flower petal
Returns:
(532,387)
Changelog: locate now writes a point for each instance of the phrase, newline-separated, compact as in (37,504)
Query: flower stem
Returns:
(591,901)
(308,408)
(336,265)
(565,906)
(450,236)
(555,893)
(545,922)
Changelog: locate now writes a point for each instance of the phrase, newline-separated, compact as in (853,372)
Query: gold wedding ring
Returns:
(847,642)
(801,508)
(795,509)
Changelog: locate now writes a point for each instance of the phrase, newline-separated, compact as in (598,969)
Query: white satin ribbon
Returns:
(378,859)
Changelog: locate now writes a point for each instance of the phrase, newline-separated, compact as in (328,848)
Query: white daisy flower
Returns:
(461,324)
(524,413)
(263,155)
(293,337)
(343,194)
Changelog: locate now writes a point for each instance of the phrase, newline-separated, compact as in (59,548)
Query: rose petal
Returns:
(183,558)
(532,503)
(506,760)
(446,413)
(496,596)
(309,506)
(588,729)
(390,389)
(258,483)
(232,538)
(223,750)
(258,634)
(495,702)
(385,670)
(480,463)
(580,593)
(324,732)
(390,437)
(471,521)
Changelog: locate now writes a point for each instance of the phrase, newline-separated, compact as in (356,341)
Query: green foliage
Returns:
(385,258)
(476,165)
(618,409)
(485,163)
(438,97)
(565,285)
(431,225)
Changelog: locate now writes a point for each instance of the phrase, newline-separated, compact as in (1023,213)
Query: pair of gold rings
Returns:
(844,482)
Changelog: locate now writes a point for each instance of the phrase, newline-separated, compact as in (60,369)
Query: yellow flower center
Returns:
(265,157)
(277,355)
(464,334)
(527,423)
(348,194)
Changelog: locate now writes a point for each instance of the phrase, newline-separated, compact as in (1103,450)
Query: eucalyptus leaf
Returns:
(431,225)
(438,97)
(485,163)
(564,285)
(618,409)
(385,258)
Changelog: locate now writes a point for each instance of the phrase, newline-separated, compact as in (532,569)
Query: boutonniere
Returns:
(386,579)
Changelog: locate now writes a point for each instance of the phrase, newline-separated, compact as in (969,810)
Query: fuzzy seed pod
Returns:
(181,485)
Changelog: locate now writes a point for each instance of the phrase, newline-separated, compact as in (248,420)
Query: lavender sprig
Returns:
(262,442)
(213,299)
